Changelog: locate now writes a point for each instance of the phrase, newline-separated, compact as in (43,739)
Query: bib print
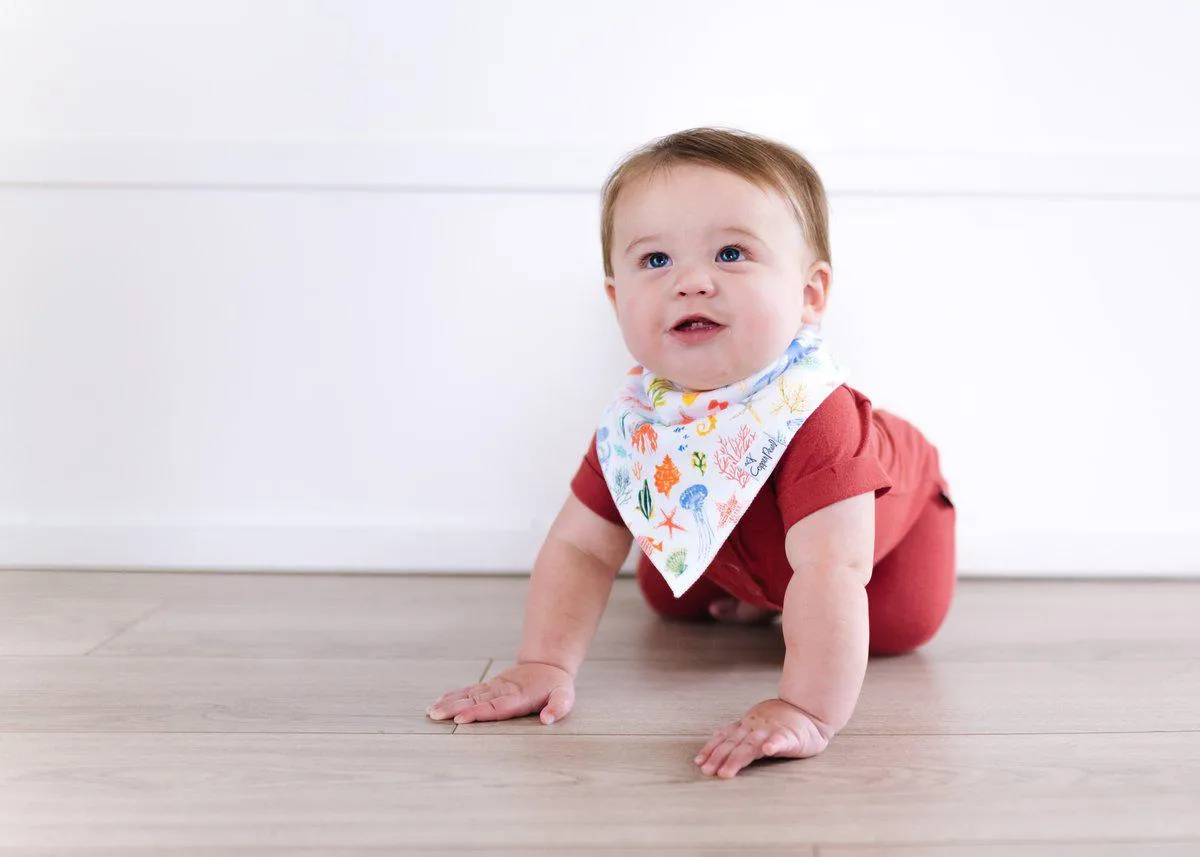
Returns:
(683,466)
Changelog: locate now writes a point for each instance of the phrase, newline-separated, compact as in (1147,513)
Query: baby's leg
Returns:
(705,600)
(693,604)
(911,588)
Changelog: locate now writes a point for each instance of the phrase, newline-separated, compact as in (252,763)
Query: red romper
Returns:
(845,448)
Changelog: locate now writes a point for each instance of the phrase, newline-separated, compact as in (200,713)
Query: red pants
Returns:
(908,596)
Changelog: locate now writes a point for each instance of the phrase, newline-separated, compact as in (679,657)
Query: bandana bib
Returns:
(683,466)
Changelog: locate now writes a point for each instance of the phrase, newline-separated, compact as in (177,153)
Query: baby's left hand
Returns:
(771,728)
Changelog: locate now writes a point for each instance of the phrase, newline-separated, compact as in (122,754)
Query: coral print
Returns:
(622,486)
(729,456)
(731,460)
(791,396)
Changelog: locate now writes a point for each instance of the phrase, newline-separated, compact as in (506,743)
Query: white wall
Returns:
(317,285)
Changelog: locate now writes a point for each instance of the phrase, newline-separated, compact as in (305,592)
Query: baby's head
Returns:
(718,223)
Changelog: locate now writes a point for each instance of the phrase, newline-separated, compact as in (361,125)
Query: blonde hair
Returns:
(764,163)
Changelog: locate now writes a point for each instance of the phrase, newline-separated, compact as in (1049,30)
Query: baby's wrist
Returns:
(825,730)
(545,662)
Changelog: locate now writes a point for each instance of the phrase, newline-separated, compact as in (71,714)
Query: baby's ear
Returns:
(610,289)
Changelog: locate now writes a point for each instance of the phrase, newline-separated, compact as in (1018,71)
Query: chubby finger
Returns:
(742,755)
(715,741)
(499,708)
(559,704)
(463,692)
(449,708)
(452,704)
(721,752)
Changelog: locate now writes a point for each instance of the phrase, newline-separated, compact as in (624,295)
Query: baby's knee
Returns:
(691,606)
(901,635)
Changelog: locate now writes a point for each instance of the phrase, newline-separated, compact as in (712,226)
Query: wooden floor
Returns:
(157,714)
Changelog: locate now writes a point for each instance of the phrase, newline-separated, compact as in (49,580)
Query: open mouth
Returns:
(696,330)
(696,322)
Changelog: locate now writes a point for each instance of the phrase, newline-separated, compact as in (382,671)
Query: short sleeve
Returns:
(591,489)
(831,458)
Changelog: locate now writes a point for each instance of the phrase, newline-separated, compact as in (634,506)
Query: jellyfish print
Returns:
(693,498)
(603,451)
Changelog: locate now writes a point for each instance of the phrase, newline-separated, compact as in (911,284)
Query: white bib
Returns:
(683,466)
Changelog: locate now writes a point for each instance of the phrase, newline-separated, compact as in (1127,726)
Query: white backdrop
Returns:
(317,286)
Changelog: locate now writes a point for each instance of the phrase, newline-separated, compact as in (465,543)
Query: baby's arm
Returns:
(826,629)
(825,619)
(572,579)
(568,590)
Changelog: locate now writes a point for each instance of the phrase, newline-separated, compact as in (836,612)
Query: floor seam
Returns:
(128,627)
(482,675)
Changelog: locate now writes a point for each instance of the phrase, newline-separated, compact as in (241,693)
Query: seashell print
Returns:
(666,476)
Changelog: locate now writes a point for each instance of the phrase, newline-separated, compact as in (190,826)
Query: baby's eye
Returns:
(732,248)
(649,260)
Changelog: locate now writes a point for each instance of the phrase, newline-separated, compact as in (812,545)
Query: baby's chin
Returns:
(709,366)
(695,383)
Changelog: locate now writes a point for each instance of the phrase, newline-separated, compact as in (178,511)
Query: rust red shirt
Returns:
(845,448)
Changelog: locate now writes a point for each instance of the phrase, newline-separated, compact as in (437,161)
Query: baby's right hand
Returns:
(515,692)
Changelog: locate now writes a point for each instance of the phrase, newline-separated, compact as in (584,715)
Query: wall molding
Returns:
(408,550)
(533,167)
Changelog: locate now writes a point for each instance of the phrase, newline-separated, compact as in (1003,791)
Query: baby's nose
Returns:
(694,286)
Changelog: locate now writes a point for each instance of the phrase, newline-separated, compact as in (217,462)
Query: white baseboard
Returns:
(392,550)
(532,167)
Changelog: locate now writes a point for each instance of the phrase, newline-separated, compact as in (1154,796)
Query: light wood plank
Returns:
(563,791)
(255,851)
(1008,849)
(1070,620)
(52,624)
(357,616)
(226,694)
(407,617)
(913,694)
(1020,849)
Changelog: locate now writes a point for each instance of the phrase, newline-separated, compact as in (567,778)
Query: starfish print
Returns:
(728,510)
(748,405)
(669,522)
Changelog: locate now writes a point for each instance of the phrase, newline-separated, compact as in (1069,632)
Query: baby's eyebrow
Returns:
(741,230)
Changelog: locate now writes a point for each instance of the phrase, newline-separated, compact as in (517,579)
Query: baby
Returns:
(756,481)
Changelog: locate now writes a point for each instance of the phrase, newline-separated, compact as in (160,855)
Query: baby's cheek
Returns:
(639,332)
(766,327)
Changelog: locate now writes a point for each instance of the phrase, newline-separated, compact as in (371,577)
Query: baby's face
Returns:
(760,287)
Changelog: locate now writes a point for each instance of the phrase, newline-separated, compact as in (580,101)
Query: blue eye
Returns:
(729,253)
